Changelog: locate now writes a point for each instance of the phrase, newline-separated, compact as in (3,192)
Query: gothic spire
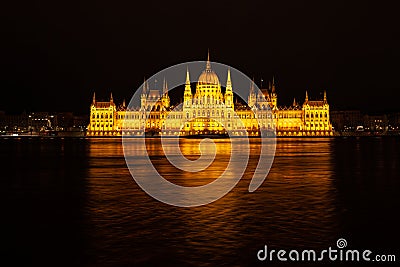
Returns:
(252,87)
(187,83)
(294,102)
(94,98)
(111,98)
(325,96)
(165,86)
(306,96)
(144,89)
(228,81)
(187,76)
(273,85)
(208,65)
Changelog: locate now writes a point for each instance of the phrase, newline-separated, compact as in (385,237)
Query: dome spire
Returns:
(94,98)
(208,66)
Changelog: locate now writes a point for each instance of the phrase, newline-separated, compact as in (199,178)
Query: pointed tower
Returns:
(111,98)
(274,96)
(165,97)
(187,97)
(144,87)
(143,96)
(208,65)
(229,82)
(252,95)
(325,99)
(165,87)
(306,100)
(228,91)
(92,118)
(273,85)
(294,102)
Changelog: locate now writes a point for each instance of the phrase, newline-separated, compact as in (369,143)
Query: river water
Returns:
(73,202)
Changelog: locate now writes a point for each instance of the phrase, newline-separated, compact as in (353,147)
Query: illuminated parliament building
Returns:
(210,110)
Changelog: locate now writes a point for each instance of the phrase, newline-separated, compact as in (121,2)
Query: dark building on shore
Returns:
(346,120)
(41,121)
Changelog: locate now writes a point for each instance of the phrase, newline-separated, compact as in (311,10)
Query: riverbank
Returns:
(75,136)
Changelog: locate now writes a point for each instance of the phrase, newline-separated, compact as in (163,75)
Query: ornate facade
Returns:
(210,110)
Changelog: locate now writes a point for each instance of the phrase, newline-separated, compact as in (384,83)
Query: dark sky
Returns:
(54,54)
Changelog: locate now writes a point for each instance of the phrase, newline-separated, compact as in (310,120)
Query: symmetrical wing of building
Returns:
(210,110)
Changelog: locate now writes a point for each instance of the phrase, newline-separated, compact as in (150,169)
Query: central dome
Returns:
(208,76)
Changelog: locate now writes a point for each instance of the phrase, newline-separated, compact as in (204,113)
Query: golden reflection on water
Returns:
(190,148)
(303,159)
(317,191)
(296,198)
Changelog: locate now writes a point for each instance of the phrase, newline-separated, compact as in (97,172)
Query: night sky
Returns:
(55,54)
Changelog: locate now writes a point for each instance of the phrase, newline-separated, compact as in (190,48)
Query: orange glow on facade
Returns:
(210,111)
